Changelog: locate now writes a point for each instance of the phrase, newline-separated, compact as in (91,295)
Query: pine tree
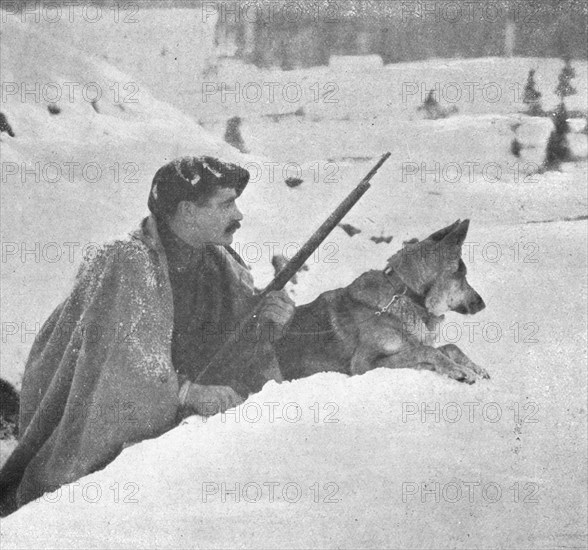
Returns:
(564,86)
(558,149)
(532,96)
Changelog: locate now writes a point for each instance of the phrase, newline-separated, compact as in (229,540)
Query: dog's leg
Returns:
(424,357)
(362,360)
(455,354)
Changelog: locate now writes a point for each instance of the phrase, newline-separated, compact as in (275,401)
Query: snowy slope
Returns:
(164,50)
(372,450)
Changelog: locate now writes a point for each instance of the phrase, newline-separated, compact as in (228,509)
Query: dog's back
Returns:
(312,342)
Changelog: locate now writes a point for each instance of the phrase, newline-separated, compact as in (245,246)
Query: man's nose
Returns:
(238,214)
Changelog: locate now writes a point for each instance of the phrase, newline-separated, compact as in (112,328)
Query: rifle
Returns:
(290,269)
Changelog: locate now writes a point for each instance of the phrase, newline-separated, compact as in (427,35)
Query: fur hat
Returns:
(192,179)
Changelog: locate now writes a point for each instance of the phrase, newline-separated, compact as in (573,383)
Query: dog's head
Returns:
(433,269)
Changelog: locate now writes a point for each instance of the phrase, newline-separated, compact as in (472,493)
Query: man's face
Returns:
(216,221)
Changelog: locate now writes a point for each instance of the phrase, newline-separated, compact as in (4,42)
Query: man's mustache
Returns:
(232,227)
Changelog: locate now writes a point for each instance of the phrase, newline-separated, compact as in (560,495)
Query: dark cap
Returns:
(193,179)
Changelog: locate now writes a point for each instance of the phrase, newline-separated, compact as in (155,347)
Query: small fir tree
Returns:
(564,85)
(532,96)
(558,149)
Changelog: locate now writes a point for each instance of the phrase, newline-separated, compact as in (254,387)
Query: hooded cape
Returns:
(99,375)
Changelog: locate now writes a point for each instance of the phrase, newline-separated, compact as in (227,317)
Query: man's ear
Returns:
(186,210)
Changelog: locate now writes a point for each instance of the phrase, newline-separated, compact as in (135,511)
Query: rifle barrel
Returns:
(290,269)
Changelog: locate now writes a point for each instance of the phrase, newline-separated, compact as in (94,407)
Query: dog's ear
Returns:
(442,233)
(457,237)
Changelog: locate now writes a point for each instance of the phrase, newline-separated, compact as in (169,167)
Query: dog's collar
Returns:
(415,299)
(410,292)
(392,300)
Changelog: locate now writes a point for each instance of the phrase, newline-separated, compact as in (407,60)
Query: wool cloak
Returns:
(99,375)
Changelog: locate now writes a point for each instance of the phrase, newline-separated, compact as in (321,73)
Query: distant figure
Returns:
(5,126)
(432,109)
(516,147)
(233,134)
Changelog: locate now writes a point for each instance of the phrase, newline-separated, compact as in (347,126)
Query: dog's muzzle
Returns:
(472,307)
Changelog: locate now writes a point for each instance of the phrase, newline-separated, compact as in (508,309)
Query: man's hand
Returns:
(210,400)
(277,309)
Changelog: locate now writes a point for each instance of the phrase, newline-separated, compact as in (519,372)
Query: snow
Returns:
(535,289)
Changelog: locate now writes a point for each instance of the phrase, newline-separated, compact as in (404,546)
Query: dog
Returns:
(388,318)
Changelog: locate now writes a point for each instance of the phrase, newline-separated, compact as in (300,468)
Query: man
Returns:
(125,356)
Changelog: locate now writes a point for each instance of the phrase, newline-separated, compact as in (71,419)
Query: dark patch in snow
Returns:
(293,182)
(233,134)
(5,125)
(94,104)
(53,109)
(349,229)
(382,239)
(350,159)
(277,117)
(9,408)
(566,219)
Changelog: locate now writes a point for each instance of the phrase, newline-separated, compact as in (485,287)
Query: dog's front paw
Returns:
(478,372)
(459,373)
(459,357)
(481,372)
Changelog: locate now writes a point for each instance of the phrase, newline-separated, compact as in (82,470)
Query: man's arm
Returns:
(276,312)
